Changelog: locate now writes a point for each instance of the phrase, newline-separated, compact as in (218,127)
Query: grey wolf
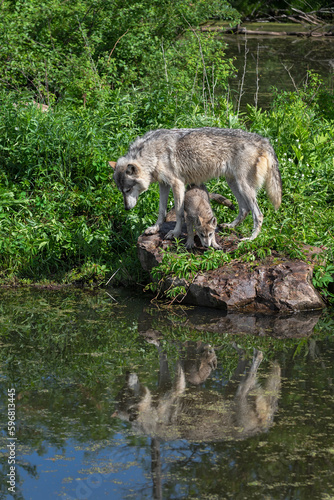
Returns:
(199,217)
(177,157)
(179,411)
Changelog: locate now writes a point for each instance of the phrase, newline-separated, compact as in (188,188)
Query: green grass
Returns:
(62,219)
(301,128)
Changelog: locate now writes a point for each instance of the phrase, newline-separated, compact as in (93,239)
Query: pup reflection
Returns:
(179,410)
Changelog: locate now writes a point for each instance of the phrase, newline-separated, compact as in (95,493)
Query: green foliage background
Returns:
(258,8)
(67,50)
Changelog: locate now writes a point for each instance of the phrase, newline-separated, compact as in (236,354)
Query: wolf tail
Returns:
(273,181)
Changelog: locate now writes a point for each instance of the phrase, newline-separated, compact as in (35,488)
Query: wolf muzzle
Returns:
(129,202)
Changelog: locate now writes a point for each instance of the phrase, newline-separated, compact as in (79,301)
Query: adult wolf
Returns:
(178,157)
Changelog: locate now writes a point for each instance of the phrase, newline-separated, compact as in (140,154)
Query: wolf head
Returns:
(130,179)
(205,230)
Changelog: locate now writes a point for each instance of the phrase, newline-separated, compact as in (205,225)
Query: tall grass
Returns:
(61,216)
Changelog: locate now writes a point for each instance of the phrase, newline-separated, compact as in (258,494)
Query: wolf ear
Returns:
(132,169)
(112,164)
(213,221)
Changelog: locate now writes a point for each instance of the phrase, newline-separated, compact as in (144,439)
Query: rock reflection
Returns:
(179,409)
(279,326)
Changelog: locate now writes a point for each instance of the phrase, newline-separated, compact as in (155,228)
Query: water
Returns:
(123,399)
(281,62)
(118,398)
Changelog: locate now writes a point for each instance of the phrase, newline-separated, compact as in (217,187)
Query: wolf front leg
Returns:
(178,192)
(164,192)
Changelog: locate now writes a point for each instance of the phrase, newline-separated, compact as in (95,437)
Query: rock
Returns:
(275,285)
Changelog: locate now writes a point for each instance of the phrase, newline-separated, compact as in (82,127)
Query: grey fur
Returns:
(178,157)
(199,217)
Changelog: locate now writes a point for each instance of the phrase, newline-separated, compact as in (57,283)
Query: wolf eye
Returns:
(127,190)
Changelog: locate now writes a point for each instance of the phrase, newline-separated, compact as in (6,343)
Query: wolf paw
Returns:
(190,245)
(250,238)
(171,235)
(229,225)
(152,229)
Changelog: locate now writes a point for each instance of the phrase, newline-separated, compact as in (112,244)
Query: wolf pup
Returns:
(177,157)
(199,216)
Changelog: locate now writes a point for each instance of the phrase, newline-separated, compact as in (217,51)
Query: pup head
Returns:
(128,176)
(199,361)
(205,230)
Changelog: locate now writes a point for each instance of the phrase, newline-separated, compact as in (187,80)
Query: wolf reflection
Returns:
(179,409)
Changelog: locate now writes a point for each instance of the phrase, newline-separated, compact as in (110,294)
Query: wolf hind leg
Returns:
(249,193)
(257,224)
(243,205)
(246,197)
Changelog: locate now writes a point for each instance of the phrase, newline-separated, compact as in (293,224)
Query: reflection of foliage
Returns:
(63,333)
(67,353)
(20,464)
(73,337)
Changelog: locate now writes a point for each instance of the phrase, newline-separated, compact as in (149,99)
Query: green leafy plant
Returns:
(323,278)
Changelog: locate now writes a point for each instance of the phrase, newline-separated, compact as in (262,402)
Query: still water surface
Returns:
(281,62)
(118,398)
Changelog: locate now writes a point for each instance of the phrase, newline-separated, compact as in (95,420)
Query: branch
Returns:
(112,50)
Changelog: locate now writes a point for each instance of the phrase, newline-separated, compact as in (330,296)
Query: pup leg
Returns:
(178,192)
(164,192)
(214,243)
(190,233)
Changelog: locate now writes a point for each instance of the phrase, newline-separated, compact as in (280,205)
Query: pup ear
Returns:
(112,164)
(132,169)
